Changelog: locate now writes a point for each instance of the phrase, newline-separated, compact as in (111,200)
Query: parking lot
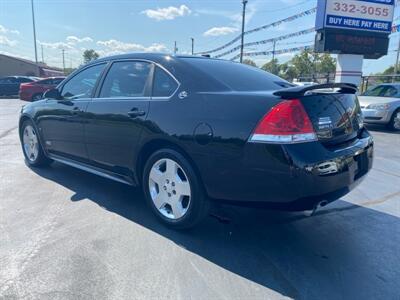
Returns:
(68,234)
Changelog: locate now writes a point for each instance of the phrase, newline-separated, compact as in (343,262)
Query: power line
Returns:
(283,8)
(274,24)
(271,40)
(277,52)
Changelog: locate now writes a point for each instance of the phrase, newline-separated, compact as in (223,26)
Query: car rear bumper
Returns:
(291,177)
(25,96)
(376,116)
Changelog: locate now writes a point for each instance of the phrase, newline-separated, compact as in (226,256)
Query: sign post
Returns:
(353,29)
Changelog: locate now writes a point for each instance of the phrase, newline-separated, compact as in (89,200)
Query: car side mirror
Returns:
(52,94)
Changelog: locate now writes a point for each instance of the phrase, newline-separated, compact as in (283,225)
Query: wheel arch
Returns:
(157,144)
(22,119)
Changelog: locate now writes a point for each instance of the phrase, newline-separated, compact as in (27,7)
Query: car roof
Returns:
(16,77)
(392,84)
(145,55)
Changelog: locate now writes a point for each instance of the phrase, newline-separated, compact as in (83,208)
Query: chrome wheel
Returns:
(169,188)
(31,143)
(396,121)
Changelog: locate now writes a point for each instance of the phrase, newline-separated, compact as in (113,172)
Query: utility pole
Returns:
(244,2)
(396,66)
(41,46)
(63,59)
(175,48)
(192,45)
(273,51)
(34,36)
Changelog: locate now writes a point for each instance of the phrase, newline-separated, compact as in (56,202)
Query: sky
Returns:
(118,26)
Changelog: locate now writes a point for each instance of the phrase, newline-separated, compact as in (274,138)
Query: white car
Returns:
(304,83)
(381,105)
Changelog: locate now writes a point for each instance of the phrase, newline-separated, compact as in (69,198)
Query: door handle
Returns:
(76,110)
(134,113)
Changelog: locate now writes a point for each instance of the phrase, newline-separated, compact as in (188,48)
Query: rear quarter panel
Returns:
(231,116)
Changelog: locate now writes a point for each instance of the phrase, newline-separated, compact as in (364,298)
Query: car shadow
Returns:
(345,251)
(381,128)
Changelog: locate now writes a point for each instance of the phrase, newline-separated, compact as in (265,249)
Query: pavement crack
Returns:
(7,132)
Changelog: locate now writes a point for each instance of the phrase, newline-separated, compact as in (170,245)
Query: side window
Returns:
(126,79)
(82,84)
(22,80)
(164,85)
(390,92)
(46,81)
(376,91)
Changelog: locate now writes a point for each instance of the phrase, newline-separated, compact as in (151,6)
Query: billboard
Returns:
(370,15)
(354,26)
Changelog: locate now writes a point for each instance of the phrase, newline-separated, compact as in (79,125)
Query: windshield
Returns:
(383,91)
(238,77)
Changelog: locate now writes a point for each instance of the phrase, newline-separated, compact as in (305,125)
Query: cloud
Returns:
(167,13)
(57,45)
(6,30)
(114,47)
(217,31)
(74,40)
(69,44)
(6,41)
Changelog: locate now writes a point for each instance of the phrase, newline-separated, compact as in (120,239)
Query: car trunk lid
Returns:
(335,114)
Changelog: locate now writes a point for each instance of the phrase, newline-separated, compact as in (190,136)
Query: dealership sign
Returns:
(371,15)
(359,27)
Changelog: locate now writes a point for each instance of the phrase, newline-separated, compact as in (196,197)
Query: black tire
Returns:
(37,97)
(41,160)
(198,206)
(391,124)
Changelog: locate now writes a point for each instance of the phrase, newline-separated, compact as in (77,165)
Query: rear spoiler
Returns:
(298,91)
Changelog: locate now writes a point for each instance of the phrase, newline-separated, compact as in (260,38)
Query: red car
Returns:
(33,91)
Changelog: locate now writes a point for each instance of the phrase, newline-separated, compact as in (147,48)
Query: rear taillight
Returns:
(286,122)
(23,85)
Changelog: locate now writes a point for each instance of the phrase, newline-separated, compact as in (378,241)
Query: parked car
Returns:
(381,105)
(304,83)
(9,86)
(190,129)
(33,91)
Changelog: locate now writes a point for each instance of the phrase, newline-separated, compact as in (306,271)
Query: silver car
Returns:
(381,105)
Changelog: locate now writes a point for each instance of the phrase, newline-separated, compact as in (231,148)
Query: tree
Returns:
(249,62)
(90,55)
(288,72)
(326,64)
(303,63)
(272,66)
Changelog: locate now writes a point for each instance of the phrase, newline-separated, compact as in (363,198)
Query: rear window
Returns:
(238,77)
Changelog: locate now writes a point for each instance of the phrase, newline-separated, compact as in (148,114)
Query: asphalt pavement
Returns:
(67,234)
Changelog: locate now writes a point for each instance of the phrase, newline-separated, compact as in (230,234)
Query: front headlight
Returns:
(384,106)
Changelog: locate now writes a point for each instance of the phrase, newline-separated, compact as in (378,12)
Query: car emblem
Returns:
(324,123)
(325,127)
(182,95)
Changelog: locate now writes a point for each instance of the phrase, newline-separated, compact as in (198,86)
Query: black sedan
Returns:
(9,86)
(192,130)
